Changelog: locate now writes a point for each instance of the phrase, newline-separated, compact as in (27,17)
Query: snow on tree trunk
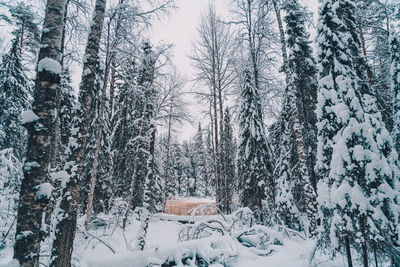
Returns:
(66,219)
(40,143)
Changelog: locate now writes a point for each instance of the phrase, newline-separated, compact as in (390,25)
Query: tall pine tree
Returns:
(356,162)
(254,160)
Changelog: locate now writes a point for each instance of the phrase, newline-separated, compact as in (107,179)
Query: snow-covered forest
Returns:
(294,160)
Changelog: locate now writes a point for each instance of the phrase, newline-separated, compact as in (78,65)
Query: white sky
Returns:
(180,28)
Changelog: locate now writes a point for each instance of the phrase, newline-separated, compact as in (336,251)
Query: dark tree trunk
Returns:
(282,36)
(66,227)
(375,255)
(348,252)
(40,142)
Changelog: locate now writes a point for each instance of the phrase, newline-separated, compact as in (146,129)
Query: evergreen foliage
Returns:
(124,124)
(200,166)
(227,157)
(14,99)
(254,160)
(357,165)
(25,23)
(395,88)
(286,174)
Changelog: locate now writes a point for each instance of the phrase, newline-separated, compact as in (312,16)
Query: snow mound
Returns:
(29,116)
(50,65)
(211,250)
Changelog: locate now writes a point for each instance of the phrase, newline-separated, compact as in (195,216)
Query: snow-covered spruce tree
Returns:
(355,157)
(146,177)
(14,99)
(65,227)
(200,164)
(124,130)
(302,69)
(286,173)
(227,155)
(373,22)
(254,161)
(35,187)
(177,170)
(395,87)
(103,186)
(10,179)
(188,179)
(301,97)
(166,152)
(143,174)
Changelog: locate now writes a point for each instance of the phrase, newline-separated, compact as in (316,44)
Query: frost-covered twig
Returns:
(9,229)
(104,243)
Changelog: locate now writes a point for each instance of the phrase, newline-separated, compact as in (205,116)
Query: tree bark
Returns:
(348,251)
(99,134)
(282,36)
(40,142)
(112,57)
(66,226)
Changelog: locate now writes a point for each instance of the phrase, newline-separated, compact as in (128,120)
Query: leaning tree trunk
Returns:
(282,35)
(66,226)
(99,135)
(40,143)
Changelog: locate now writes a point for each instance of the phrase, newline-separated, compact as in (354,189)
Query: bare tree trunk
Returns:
(216,154)
(66,226)
(167,174)
(40,142)
(134,176)
(213,148)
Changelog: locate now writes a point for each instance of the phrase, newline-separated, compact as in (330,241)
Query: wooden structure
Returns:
(197,207)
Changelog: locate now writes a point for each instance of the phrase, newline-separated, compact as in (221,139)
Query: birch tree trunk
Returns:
(66,226)
(40,143)
(99,134)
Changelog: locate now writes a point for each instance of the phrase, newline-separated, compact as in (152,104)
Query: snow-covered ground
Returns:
(162,242)
(109,246)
